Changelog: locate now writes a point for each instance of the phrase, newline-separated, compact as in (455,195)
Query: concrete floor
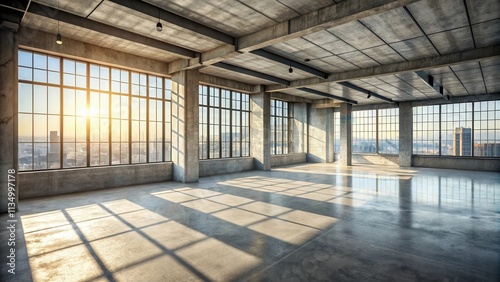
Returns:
(308,222)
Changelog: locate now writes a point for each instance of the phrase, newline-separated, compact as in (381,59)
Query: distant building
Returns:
(487,150)
(462,142)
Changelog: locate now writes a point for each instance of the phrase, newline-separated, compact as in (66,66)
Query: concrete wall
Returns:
(320,135)
(299,139)
(482,164)
(375,159)
(53,182)
(288,159)
(221,166)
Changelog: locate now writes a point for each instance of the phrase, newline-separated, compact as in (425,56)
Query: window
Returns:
(487,129)
(336,132)
(388,131)
(224,123)
(459,129)
(280,116)
(426,130)
(76,114)
(364,131)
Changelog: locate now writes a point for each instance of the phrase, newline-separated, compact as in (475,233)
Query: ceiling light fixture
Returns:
(159,26)
(369,95)
(290,70)
(58,36)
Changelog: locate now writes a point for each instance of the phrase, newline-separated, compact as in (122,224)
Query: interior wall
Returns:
(53,182)
(222,166)
(288,159)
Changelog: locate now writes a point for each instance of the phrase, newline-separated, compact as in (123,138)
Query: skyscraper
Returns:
(462,142)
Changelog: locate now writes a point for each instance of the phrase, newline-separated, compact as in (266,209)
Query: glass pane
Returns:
(25,128)
(40,128)
(25,98)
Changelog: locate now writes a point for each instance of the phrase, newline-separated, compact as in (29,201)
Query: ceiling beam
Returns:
(436,86)
(294,64)
(48,12)
(324,18)
(362,90)
(250,72)
(328,95)
(438,61)
(166,16)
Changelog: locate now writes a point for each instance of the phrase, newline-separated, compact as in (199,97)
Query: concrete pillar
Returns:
(260,130)
(8,116)
(299,128)
(320,135)
(185,131)
(405,134)
(346,134)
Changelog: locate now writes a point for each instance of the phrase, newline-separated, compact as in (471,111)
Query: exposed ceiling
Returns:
(375,46)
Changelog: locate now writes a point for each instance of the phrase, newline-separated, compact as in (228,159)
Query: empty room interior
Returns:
(250,140)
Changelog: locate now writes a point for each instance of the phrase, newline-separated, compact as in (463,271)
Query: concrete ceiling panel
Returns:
(437,16)
(487,34)
(81,8)
(229,16)
(490,62)
(116,15)
(356,35)
(466,66)
(491,78)
(451,41)
(338,62)
(384,54)
(359,59)
(393,26)
(473,81)
(300,48)
(329,42)
(483,10)
(272,9)
(415,48)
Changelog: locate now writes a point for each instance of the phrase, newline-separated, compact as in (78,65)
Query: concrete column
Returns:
(260,130)
(8,115)
(320,135)
(346,134)
(185,131)
(405,134)
(299,128)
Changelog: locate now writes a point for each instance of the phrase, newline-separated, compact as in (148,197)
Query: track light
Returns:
(58,39)
(159,26)
(369,95)
(290,70)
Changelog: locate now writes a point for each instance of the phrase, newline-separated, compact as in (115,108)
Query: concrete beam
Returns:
(458,99)
(48,12)
(290,98)
(362,90)
(438,61)
(324,18)
(44,42)
(433,84)
(166,16)
(219,54)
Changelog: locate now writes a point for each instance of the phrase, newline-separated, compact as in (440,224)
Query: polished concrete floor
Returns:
(312,222)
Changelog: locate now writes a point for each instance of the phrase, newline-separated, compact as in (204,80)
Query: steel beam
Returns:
(166,16)
(294,64)
(436,86)
(368,92)
(250,72)
(328,95)
(47,12)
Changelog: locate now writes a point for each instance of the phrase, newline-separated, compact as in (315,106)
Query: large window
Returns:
(376,131)
(460,129)
(388,131)
(364,131)
(76,114)
(280,131)
(224,123)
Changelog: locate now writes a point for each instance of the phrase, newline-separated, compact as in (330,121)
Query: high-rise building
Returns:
(487,150)
(462,142)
